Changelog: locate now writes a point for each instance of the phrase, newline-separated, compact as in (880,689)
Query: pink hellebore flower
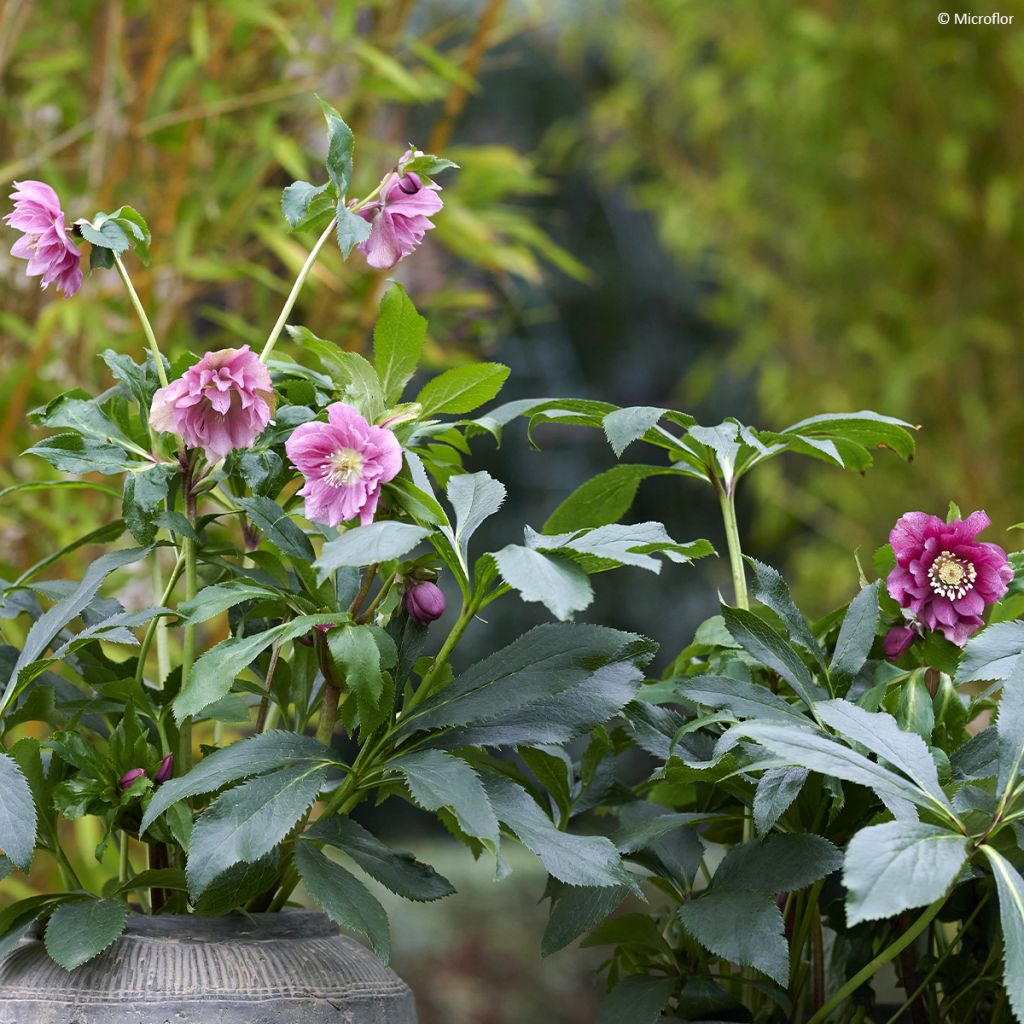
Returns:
(944,575)
(44,243)
(399,218)
(223,402)
(344,461)
(424,602)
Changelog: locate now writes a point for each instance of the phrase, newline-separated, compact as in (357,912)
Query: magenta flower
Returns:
(223,402)
(44,243)
(399,218)
(424,602)
(344,461)
(898,641)
(944,575)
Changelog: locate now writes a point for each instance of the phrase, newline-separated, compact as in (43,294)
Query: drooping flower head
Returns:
(424,601)
(399,218)
(44,240)
(944,575)
(223,402)
(344,461)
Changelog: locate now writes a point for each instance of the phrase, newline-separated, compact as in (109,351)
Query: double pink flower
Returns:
(345,461)
(223,402)
(399,218)
(51,255)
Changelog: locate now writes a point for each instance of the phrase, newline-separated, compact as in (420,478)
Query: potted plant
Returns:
(300,492)
(831,826)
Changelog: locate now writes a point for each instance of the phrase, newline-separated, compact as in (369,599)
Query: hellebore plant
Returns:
(298,503)
(824,831)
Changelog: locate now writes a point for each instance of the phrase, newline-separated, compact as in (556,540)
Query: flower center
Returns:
(343,468)
(950,576)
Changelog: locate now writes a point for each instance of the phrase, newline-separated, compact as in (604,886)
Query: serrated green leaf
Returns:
(340,146)
(856,635)
(624,426)
(401,873)
(296,198)
(604,499)
(82,929)
(398,339)
(1010,887)
(238,885)
(367,545)
(898,866)
(556,582)
(775,793)
(577,909)
(637,999)
(771,590)
(17,814)
(437,780)
(247,822)
(278,527)
(211,601)
(462,389)
(351,230)
(265,752)
(343,898)
(474,497)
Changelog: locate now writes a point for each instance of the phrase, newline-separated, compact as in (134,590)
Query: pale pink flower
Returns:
(44,243)
(344,461)
(399,218)
(221,403)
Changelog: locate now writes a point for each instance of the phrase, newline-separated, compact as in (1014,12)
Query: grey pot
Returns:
(268,969)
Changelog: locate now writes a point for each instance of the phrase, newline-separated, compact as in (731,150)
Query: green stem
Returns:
(147,327)
(293,295)
(188,654)
(889,953)
(727,500)
(122,861)
(152,628)
(427,687)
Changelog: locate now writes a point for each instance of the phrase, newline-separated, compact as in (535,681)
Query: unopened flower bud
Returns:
(129,777)
(898,641)
(165,771)
(424,602)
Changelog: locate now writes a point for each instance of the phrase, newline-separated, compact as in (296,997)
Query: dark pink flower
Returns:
(399,218)
(130,776)
(223,402)
(898,641)
(424,602)
(944,575)
(44,243)
(165,770)
(344,461)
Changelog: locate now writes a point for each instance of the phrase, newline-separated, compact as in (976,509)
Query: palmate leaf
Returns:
(899,865)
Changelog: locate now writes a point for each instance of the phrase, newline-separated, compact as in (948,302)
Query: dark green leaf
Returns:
(776,791)
(856,635)
(604,499)
(247,822)
(399,872)
(82,929)
(340,144)
(295,200)
(211,601)
(1010,887)
(240,883)
(993,653)
(17,814)
(577,909)
(351,230)
(638,999)
(771,590)
(367,545)
(343,898)
(278,527)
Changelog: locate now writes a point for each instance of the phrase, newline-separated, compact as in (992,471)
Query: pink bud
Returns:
(129,777)
(424,602)
(165,771)
(898,641)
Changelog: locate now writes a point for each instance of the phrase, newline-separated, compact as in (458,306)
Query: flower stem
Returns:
(147,327)
(890,952)
(293,295)
(122,861)
(332,693)
(429,684)
(727,500)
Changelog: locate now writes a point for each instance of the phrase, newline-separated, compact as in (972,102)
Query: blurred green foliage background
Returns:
(764,210)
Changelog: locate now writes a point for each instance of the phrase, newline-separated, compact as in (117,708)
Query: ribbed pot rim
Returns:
(234,927)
